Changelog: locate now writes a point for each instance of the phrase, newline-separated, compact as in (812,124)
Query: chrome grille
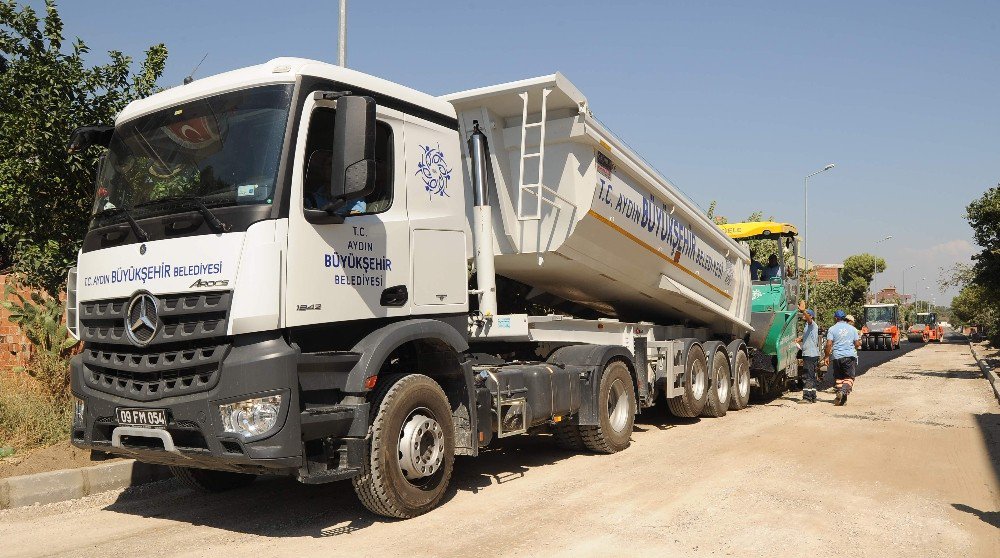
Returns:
(183,317)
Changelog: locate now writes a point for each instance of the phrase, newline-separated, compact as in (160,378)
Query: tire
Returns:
(206,480)
(616,411)
(720,386)
(740,392)
(695,386)
(412,406)
(567,435)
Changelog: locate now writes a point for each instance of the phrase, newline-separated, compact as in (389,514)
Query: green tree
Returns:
(826,297)
(857,275)
(46,91)
(983,215)
(973,306)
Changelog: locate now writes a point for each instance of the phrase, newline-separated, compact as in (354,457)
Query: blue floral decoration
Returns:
(434,171)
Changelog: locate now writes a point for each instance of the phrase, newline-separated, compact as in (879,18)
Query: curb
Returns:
(987,372)
(69,484)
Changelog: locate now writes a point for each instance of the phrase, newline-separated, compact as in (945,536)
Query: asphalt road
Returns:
(908,468)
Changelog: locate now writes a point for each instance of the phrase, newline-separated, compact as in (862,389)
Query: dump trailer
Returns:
(881,329)
(774,304)
(925,329)
(300,269)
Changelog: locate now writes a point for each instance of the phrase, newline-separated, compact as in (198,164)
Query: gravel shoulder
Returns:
(908,468)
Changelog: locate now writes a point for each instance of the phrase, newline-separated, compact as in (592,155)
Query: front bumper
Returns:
(256,365)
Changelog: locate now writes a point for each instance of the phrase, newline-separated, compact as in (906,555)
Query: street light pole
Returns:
(875,267)
(342,38)
(805,223)
(916,295)
(904,279)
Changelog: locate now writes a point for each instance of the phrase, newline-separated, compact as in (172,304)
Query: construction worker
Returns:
(850,319)
(773,269)
(810,355)
(842,344)
(755,267)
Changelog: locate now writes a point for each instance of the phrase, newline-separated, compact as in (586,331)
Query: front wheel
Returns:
(411,448)
(616,411)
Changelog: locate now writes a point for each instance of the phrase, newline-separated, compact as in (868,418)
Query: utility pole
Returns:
(342,37)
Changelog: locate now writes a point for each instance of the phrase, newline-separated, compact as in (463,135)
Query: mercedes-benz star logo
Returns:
(141,320)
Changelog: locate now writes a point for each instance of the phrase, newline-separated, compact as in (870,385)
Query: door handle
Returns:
(394,296)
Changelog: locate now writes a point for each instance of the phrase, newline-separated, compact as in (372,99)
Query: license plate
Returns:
(142,417)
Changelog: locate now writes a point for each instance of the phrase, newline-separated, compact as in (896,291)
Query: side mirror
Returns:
(353,149)
(87,136)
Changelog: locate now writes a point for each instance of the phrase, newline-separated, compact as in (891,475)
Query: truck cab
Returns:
(775,291)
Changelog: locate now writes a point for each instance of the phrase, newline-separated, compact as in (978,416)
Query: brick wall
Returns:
(14,346)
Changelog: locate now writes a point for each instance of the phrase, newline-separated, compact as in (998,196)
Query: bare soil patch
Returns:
(53,458)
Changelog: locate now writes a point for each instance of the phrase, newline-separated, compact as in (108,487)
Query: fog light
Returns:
(252,417)
(78,408)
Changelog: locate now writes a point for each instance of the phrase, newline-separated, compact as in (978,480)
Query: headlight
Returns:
(252,417)
(78,409)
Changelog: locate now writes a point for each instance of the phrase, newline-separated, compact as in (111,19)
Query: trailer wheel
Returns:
(616,411)
(206,480)
(411,448)
(740,397)
(567,435)
(695,395)
(720,384)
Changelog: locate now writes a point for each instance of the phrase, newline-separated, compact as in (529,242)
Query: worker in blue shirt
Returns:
(810,355)
(842,344)
(773,270)
(756,269)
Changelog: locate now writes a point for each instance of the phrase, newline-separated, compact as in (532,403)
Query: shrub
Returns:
(28,417)
(40,318)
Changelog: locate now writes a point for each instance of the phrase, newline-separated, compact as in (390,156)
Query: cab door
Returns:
(357,269)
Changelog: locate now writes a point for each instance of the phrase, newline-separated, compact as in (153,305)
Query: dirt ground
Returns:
(52,458)
(908,468)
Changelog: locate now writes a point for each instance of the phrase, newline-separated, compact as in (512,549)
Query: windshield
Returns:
(923,318)
(880,314)
(223,150)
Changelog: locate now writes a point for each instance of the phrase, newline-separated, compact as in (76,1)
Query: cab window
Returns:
(319,167)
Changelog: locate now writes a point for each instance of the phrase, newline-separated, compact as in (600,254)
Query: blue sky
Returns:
(733,101)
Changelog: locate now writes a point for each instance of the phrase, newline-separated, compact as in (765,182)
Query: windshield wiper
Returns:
(141,234)
(213,221)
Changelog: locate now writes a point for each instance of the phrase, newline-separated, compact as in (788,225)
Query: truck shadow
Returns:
(282,507)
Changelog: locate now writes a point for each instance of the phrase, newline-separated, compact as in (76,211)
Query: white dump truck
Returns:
(299,269)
